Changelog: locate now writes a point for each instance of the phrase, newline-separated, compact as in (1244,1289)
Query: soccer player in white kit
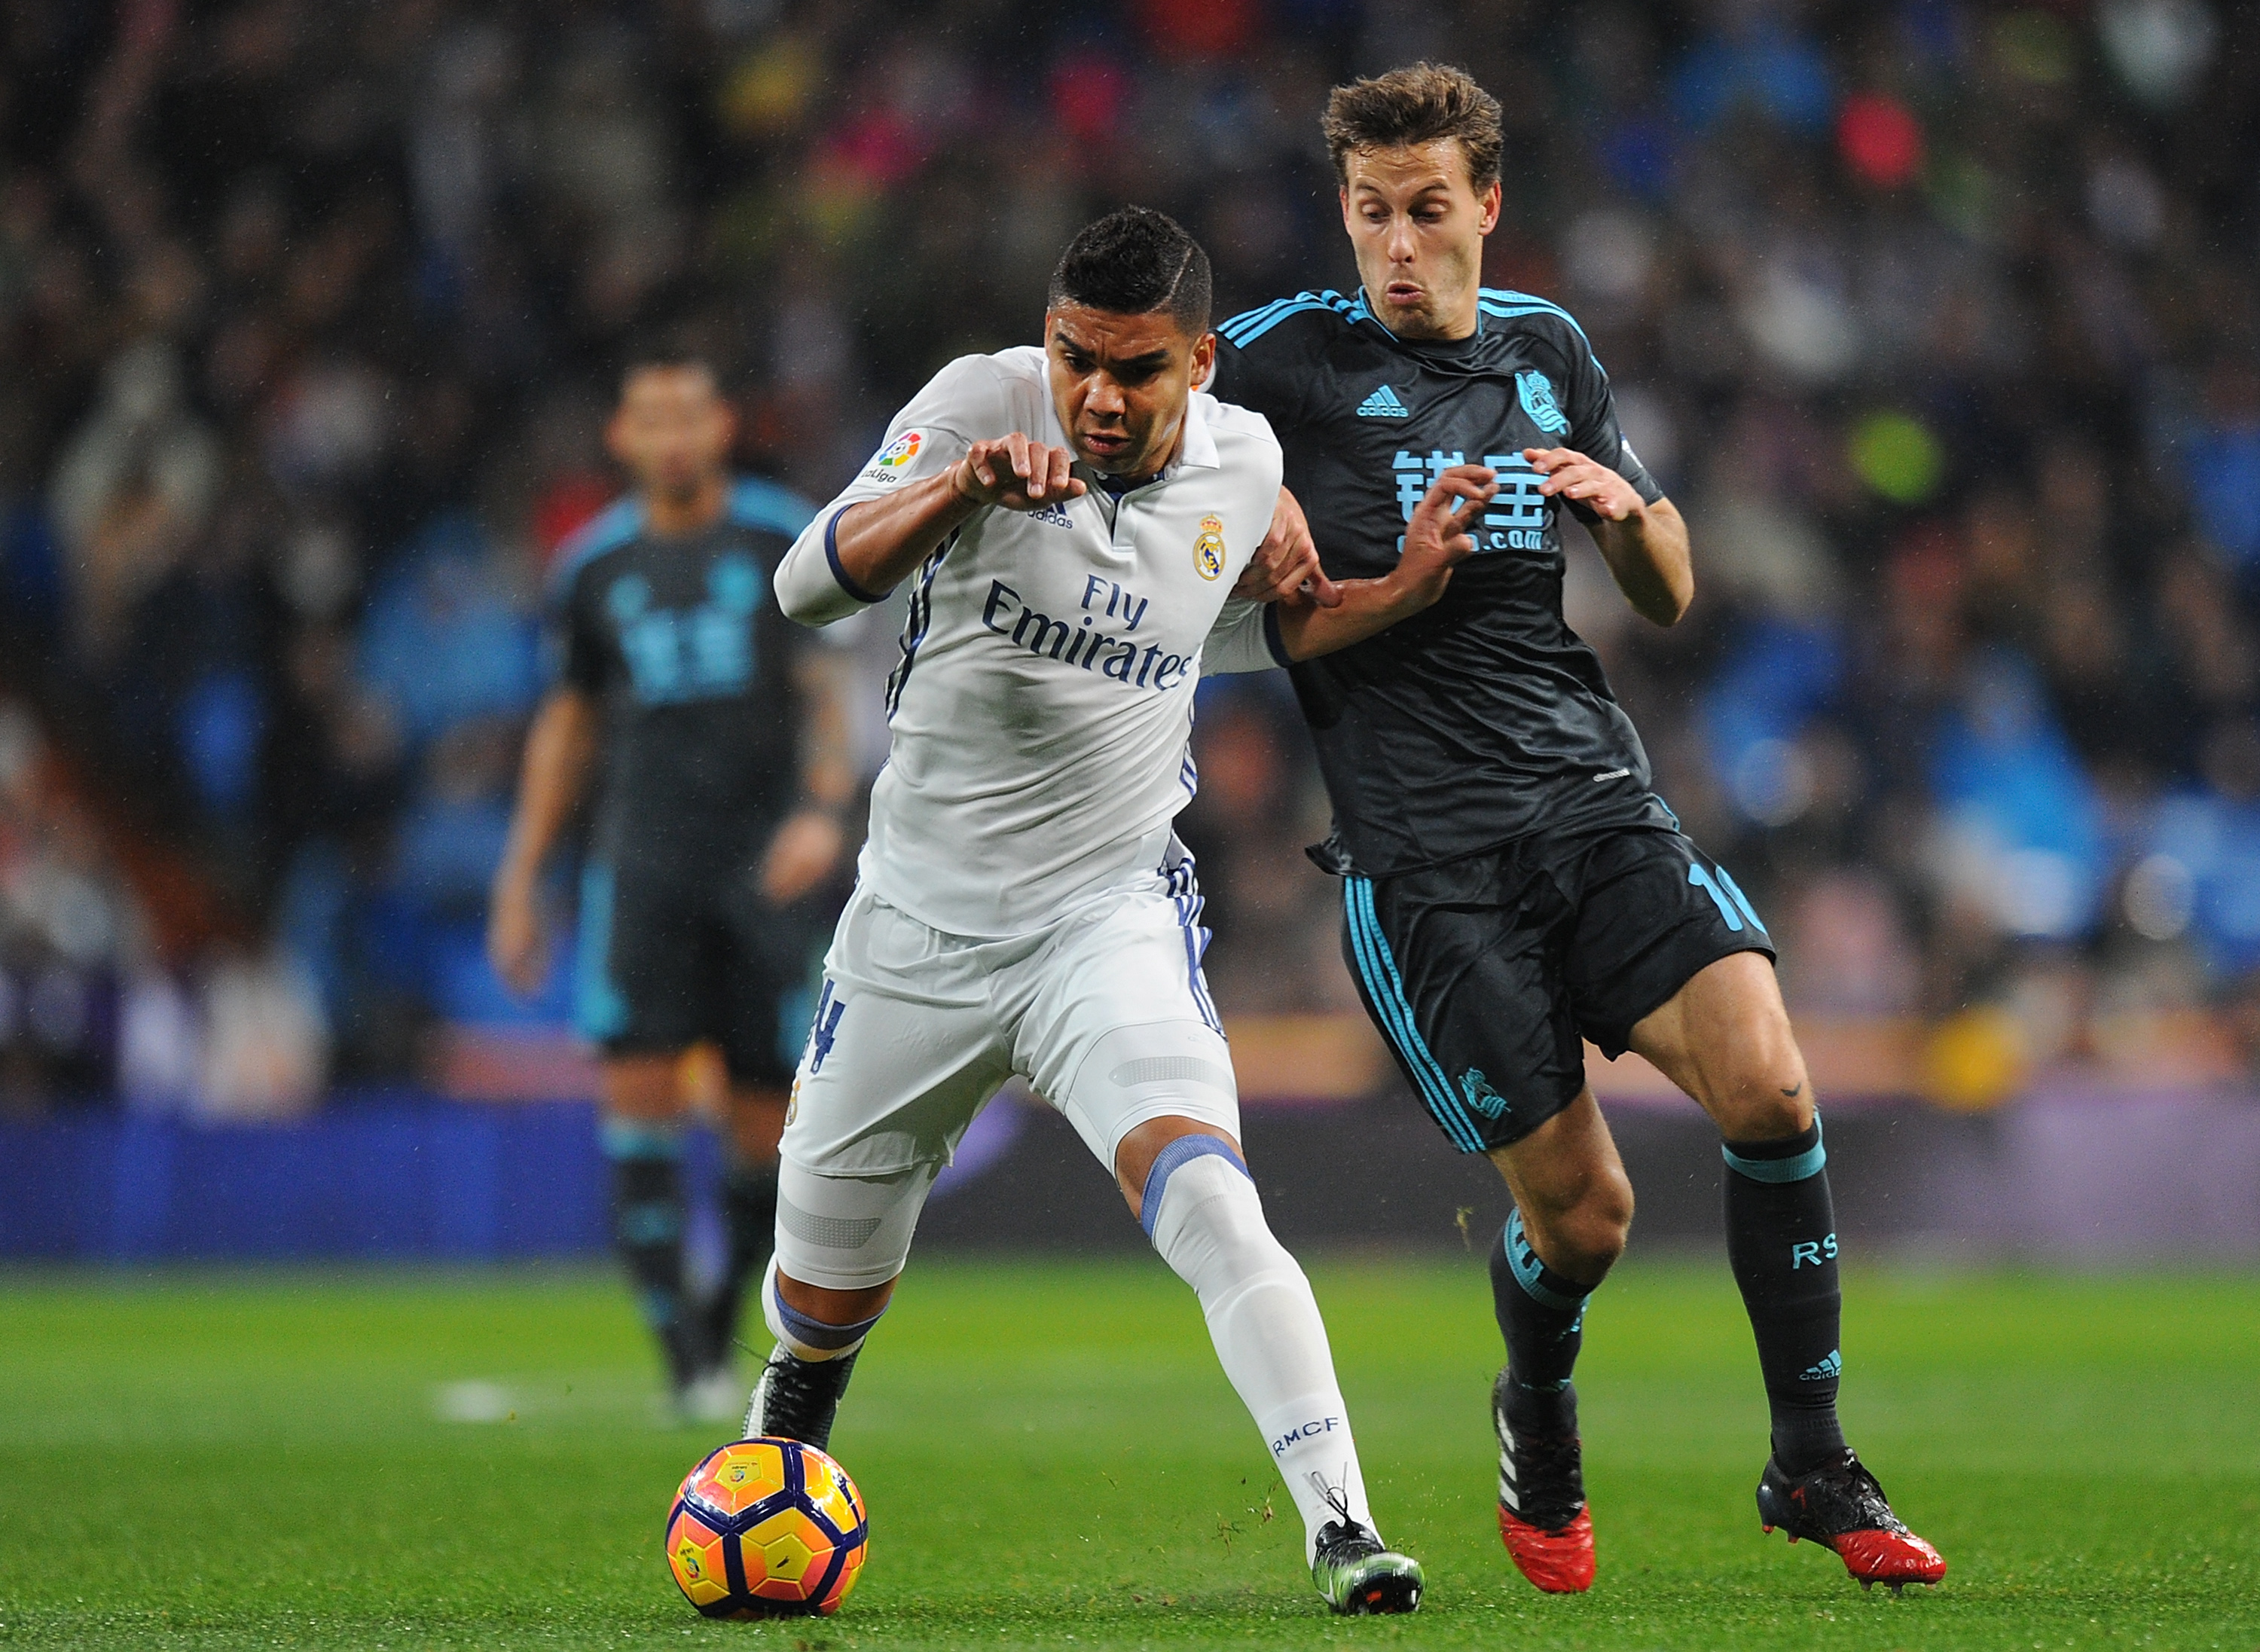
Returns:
(1075,519)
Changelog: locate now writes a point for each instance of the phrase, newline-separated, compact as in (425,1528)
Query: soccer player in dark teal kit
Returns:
(722,735)
(1511,882)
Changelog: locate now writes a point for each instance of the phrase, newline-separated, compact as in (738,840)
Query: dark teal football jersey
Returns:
(1486,717)
(681,641)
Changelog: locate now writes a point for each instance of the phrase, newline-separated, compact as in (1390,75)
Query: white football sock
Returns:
(1209,1226)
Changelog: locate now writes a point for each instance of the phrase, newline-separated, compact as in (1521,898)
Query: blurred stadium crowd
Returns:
(1941,319)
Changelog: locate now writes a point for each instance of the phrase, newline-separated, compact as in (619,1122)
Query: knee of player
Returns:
(1766,1094)
(1613,1202)
(1202,1213)
(1769,1102)
(1191,1169)
(1596,1228)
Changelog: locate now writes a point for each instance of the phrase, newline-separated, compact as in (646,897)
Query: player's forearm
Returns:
(827,764)
(880,542)
(558,750)
(1368,607)
(1648,558)
(851,555)
(1437,538)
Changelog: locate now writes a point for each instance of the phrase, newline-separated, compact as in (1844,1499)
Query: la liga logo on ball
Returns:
(1208,549)
(767,1528)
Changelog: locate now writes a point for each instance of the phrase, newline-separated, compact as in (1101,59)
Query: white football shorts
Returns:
(1104,1013)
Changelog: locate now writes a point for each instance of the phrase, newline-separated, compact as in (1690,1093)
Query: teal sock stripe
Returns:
(632,1138)
(1806,1163)
(1523,1257)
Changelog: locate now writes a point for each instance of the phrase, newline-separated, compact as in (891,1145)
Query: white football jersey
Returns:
(1040,712)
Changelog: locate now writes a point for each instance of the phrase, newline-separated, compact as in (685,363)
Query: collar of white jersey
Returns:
(1195,452)
(1199,451)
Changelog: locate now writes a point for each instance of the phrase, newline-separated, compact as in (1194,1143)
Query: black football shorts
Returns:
(672,957)
(1483,975)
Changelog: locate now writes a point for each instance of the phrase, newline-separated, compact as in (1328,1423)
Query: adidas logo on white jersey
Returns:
(1383,404)
(1053,513)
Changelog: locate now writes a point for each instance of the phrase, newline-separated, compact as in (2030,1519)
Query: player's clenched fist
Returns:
(1569,475)
(1016,473)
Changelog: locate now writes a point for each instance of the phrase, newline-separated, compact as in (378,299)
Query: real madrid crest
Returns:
(1208,549)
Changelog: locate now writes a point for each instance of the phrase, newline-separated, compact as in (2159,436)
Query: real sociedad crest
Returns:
(1481,1094)
(1208,549)
(1537,393)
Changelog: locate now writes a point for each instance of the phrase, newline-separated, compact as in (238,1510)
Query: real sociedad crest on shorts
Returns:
(1537,393)
(1208,549)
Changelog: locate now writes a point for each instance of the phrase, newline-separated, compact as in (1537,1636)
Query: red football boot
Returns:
(1839,1504)
(1542,1518)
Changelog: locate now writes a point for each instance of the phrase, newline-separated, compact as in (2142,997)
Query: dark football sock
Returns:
(646,1162)
(749,1205)
(1541,1314)
(1781,1238)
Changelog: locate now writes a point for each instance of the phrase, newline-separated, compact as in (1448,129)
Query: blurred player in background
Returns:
(1511,880)
(725,767)
(1074,518)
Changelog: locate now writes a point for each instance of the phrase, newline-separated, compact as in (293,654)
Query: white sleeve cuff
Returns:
(811,587)
(1245,638)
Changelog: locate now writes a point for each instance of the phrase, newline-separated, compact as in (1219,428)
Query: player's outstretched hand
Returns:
(1018,473)
(1569,475)
(1286,565)
(516,946)
(801,855)
(1440,537)
(1442,531)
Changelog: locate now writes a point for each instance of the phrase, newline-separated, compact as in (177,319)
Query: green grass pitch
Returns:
(1051,1457)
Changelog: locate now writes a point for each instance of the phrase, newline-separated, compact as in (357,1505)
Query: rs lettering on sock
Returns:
(1781,1239)
(1812,1254)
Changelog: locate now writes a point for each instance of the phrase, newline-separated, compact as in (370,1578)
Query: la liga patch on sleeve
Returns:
(892,463)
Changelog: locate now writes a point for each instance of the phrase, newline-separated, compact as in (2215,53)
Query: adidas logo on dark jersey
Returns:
(1383,404)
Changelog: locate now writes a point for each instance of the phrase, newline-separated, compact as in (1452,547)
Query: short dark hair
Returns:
(1425,102)
(664,354)
(1132,263)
